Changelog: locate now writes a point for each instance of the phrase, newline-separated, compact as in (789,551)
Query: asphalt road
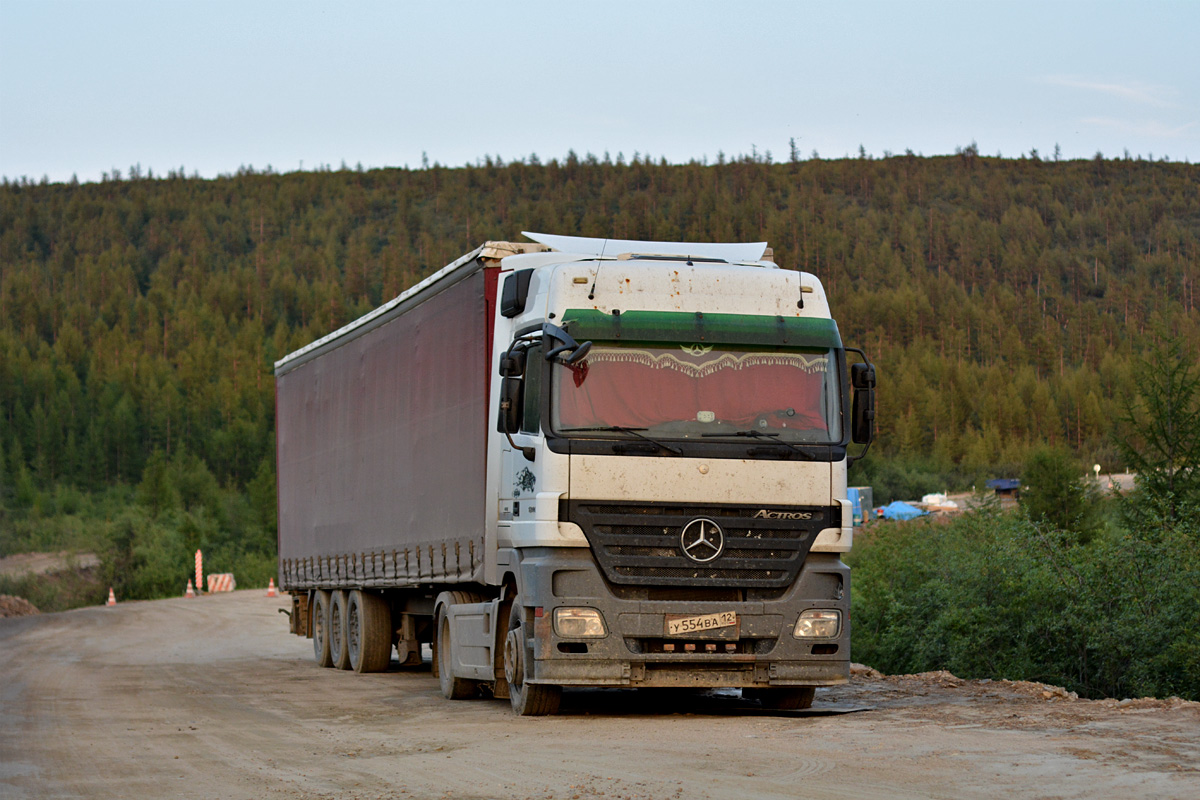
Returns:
(212,698)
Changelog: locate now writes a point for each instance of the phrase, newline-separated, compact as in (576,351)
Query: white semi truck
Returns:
(579,463)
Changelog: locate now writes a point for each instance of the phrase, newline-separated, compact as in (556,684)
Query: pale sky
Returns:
(211,86)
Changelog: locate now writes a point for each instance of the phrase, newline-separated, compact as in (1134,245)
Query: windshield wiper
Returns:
(623,429)
(753,434)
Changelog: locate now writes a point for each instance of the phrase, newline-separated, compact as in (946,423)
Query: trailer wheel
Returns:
(320,628)
(443,651)
(528,699)
(339,644)
(790,699)
(368,632)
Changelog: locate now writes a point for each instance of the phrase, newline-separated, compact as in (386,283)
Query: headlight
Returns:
(818,623)
(579,623)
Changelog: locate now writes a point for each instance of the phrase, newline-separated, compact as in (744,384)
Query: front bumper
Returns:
(759,652)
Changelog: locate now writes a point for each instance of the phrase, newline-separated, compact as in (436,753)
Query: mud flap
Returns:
(473,628)
(408,647)
(300,625)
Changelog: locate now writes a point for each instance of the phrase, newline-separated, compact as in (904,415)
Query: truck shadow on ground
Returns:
(660,702)
(690,702)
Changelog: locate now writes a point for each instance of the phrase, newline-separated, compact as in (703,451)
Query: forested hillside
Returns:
(1005,302)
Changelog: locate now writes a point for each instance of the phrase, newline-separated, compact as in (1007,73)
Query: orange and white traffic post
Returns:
(112,598)
(271,592)
(199,570)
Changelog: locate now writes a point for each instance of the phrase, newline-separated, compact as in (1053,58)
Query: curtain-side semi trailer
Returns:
(579,462)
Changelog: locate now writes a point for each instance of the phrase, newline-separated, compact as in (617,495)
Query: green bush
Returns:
(146,536)
(991,595)
(1054,493)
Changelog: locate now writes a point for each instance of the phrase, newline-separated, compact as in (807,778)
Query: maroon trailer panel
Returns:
(382,447)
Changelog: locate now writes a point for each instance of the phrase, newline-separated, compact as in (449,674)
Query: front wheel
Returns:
(453,688)
(528,699)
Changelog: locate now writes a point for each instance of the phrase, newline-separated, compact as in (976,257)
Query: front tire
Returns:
(453,688)
(528,699)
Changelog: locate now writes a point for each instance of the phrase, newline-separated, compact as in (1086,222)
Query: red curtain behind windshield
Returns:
(642,388)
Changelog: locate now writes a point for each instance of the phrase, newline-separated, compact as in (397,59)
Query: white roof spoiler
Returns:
(611,248)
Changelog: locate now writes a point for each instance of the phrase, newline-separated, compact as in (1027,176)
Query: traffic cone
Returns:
(190,591)
(112,598)
(271,589)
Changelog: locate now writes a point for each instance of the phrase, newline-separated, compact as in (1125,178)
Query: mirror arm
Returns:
(528,452)
(577,350)
(851,459)
(562,348)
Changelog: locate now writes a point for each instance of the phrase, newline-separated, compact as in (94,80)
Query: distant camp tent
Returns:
(899,510)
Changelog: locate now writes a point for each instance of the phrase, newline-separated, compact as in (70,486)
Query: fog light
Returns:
(818,623)
(579,623)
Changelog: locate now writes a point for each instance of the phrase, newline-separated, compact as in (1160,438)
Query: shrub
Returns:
(991,595)
(1054,493)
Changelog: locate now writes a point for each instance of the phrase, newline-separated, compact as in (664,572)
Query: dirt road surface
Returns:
(212,698)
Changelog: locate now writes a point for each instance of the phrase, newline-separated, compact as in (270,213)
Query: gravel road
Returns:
(211,698)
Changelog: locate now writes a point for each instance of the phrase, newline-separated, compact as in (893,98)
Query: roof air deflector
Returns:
(750,251)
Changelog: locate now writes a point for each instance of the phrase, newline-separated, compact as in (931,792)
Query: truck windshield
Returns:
(677,391)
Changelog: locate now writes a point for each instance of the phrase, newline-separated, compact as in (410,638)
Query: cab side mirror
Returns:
(512,394)
(509,418)
(862,425)
(512,364)
(515,293)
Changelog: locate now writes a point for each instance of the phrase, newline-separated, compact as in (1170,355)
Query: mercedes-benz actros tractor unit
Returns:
(579,463)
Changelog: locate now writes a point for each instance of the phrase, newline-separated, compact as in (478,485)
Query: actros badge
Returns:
(702,540)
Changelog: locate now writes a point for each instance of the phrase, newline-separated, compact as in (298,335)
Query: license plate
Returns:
(685,626)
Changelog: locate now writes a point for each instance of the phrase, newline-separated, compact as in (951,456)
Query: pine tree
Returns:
(1161,433)
(1055,493)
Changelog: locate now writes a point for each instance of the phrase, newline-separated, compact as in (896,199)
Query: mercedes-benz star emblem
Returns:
(702,540)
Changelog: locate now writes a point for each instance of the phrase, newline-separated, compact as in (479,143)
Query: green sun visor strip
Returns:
(676,326)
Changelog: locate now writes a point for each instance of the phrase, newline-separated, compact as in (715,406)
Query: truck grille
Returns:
(640,543)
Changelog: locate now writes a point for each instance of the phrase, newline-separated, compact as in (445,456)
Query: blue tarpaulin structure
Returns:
(861,498)
(899,510)
(1005,486)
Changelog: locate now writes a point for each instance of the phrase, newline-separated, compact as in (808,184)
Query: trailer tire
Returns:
(320,628)
(528,699)
(339,642)
(789,699)
(368,632)
(452,688)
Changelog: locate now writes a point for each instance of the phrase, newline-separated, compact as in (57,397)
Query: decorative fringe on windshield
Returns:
(816,364)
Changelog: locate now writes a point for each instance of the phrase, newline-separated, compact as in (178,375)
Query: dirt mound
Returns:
(1030,689)
(16,606)
(863,671)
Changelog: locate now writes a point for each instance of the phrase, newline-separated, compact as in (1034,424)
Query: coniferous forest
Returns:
(1007,303)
